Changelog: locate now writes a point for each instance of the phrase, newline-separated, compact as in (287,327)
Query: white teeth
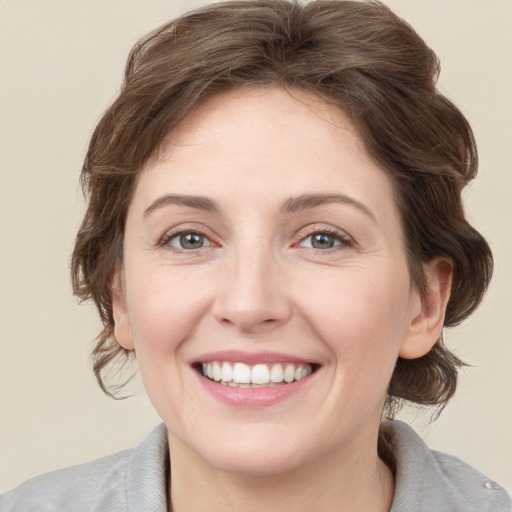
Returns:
(216,371)
(241,373)
(276,374)
(302,372)
(289,373)
(227,372)
(258,375)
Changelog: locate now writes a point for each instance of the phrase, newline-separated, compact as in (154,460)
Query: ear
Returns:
(428,310)
(122,324)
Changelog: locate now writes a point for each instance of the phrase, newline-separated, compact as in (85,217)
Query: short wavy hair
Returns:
(356,55)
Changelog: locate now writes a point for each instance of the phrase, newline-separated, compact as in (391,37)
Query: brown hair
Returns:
(357,55)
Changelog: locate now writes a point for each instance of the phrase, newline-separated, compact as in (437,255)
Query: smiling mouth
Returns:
(241,375)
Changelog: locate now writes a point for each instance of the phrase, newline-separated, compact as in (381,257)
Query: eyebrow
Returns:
(307,201)
(291,205)
(198,202)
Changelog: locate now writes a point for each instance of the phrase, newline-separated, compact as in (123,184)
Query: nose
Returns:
(252,295)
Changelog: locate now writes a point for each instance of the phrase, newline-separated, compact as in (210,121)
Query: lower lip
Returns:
(253,397)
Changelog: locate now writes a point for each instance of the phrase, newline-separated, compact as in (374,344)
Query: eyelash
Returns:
(343,239)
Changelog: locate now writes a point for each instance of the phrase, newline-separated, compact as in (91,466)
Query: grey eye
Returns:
(323,241)
(189,241)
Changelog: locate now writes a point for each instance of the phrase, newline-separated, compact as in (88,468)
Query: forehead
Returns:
(261,109)
(265,144)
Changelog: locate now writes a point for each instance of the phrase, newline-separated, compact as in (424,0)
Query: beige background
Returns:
(61,64)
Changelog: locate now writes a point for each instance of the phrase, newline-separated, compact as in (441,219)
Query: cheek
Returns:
(361,316)
(163,307)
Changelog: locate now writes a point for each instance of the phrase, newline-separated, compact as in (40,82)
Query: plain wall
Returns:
(61,65)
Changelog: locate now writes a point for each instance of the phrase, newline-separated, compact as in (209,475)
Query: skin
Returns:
(257,284)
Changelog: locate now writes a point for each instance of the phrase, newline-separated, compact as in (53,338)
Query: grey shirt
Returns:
(136,481)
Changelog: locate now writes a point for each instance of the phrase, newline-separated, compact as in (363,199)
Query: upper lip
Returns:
(237,356)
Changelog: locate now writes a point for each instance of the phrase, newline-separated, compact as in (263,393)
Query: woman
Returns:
(275,230)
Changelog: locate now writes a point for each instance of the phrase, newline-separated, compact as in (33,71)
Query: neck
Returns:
(338,481)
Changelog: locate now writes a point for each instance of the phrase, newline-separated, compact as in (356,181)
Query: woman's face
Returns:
(263,244)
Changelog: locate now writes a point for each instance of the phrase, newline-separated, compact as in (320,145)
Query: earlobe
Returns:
(122,325)
(427,318)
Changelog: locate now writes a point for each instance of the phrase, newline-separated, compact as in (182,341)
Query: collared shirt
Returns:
(136,481)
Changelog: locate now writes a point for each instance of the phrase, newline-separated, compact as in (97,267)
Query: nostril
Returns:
(270,323)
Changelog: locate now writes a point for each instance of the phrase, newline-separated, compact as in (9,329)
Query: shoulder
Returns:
(427,480)
(72,488)
(133,479)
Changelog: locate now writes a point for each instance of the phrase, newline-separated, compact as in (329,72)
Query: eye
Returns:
(324,240)
(187,241)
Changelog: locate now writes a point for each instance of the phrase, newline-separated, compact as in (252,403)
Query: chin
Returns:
(254,465)
(264,455)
